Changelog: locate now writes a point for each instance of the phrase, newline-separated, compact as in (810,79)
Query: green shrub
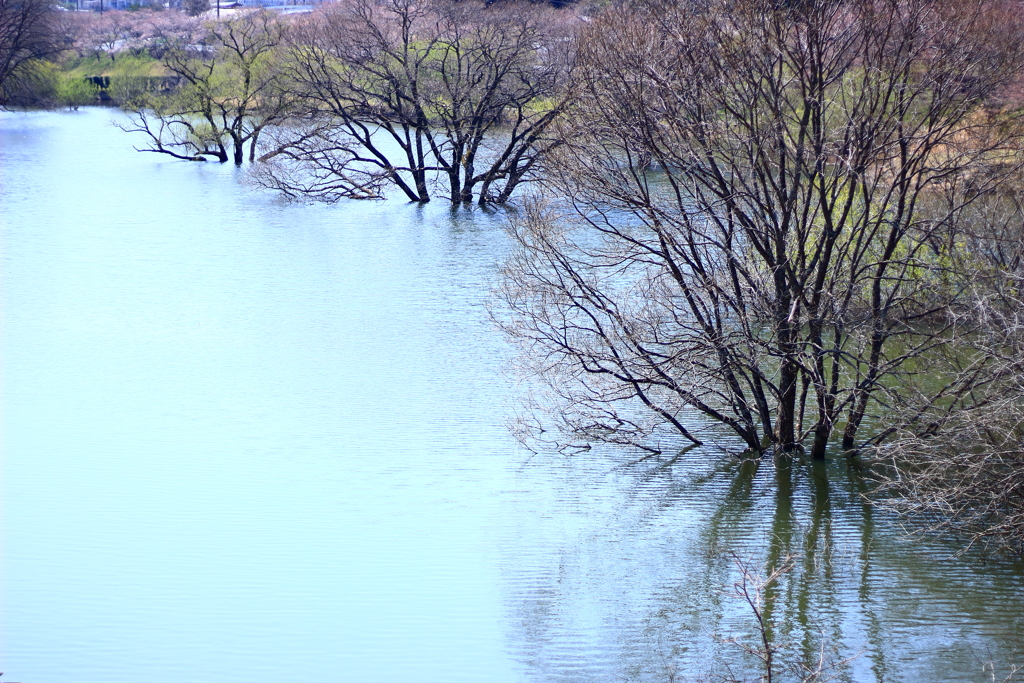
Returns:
(74,91)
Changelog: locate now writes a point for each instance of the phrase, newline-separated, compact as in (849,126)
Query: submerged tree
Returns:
(230,88)
(757,215)
(400,92)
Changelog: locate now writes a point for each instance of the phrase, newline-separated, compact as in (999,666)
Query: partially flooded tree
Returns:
(402,92)
(967,477)
(756,217)
(958,465)
(230,88)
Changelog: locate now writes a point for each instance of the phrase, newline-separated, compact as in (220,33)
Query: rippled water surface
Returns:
(245,440)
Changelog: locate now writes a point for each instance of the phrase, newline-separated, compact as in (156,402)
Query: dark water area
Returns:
(250,440)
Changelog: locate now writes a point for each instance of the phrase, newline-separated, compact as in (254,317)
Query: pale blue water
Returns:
(248,440)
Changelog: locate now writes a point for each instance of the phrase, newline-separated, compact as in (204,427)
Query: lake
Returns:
(251,440)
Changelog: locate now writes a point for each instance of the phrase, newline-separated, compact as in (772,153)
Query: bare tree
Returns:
(27,35)
(230,88)
(966,478)
(959,465)
(757,211)
(402,91)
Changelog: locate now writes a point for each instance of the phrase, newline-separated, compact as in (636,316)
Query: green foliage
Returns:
(126,64)
(131,79)
(37,85)
(74,91)
(126,79)
(45,85)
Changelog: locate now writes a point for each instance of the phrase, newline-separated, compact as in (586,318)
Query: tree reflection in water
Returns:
(648,574)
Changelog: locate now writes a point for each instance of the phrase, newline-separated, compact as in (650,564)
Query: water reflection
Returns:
(902,611)
(245,439)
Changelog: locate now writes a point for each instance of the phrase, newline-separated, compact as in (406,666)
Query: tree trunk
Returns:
(454,184)
(785,421)
(822,431)
(421,186)
(252,144)
(789,372)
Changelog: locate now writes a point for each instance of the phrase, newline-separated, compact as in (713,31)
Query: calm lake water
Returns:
(246,440)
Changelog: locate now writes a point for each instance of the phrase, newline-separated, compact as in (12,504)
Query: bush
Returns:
(74,91)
